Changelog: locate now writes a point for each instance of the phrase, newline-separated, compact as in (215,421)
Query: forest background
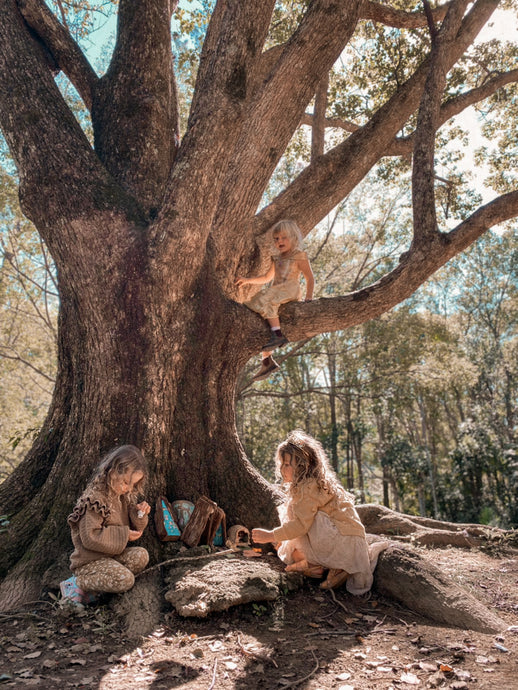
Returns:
(417,409)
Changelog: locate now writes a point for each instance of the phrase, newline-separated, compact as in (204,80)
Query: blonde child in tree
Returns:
(104,521)
(320,527)
(289,262)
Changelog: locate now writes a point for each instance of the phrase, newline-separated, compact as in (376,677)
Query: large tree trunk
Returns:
(161,377)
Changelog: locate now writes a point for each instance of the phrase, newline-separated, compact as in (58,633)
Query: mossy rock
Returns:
(219,585)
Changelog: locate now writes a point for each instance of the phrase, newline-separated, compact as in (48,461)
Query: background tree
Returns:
(149,224)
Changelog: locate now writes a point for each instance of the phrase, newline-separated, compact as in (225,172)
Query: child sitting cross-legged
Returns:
(104,521)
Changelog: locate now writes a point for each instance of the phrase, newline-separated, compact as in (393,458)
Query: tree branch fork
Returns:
(67,54)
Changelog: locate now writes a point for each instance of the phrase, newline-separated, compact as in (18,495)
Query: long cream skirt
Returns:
(324,545)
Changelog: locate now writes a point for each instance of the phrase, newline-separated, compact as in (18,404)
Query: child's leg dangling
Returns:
(268,366)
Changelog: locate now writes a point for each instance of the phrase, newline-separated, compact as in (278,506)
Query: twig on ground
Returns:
(254,655)
(342,631)
(384,631)
(213,681)
(21,614)
(30,603)
(301,680)
(379,624)
(180,559)
(331,592)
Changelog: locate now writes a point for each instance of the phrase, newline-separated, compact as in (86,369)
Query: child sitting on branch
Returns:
(289,262)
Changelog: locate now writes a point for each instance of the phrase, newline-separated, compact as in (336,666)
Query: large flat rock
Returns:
(219,584)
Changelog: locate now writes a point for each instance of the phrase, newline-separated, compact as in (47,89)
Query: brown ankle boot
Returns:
(268,366)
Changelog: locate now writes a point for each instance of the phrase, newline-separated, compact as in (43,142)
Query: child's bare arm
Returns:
(307,272)
(262,536)
(259,280)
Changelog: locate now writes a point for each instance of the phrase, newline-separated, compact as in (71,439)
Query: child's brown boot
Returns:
(268,366)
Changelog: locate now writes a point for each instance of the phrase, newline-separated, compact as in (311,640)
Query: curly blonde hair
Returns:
(309,462)
(118,462)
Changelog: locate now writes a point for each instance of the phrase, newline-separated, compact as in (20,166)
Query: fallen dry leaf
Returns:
(410,679)
(32,655)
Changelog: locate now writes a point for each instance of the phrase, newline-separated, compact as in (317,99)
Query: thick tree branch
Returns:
(231,51)
(67,54)
(423,187)
(336,173)
(497,211)
(332,314)
(62,182)
(330,122)
(403,146)
(318,131)
(276,111)
(138,94)
(400,19)
(331,177)
(456,105)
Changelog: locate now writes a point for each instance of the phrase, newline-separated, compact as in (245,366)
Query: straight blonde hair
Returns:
(292,230)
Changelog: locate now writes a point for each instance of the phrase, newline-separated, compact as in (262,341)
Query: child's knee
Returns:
(126,582)
(119,581)
(141,559)
(135,558)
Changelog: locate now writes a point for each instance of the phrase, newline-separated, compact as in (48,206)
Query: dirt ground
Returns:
(310,639)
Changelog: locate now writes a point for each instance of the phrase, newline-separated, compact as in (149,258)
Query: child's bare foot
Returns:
(298,566)
(314,571)
(334,579)
(307,569)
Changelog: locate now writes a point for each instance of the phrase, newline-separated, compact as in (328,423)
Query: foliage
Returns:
(28,323)
(425,397)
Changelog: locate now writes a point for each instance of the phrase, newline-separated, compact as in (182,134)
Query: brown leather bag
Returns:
(206,517)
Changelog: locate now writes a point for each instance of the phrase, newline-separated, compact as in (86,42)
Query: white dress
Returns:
(324,545)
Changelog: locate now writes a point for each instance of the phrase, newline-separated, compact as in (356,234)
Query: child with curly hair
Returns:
(105,519)
(320,527)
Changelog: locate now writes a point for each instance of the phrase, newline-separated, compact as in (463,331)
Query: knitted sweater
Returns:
(100,527)
(307,501)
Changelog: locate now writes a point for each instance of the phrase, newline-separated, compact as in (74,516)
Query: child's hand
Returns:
(262,536)
(241,281)
(144,508)
(134,535)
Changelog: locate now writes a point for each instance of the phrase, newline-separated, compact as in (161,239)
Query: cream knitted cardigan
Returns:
(308,500)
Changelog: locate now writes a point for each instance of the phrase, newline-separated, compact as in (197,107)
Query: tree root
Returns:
(427,532)
(139,609)
(414,581)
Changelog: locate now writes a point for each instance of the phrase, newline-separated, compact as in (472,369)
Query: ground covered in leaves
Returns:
(308,639)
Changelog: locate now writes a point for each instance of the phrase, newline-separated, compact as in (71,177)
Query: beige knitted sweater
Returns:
(303,506)
(100,527)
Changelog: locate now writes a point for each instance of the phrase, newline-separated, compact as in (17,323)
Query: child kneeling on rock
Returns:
(105,519)
(320,527)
